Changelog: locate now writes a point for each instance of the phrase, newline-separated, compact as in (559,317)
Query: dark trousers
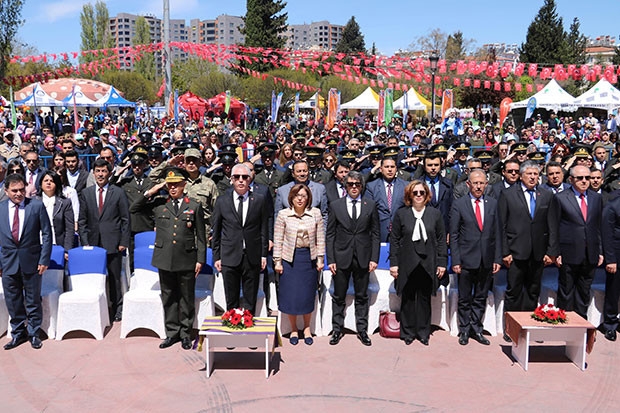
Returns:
(115,289)
(341,285)
(574,287)
(22,293)
(243,277)
(474,287)
(415,307)
(178,289)
(612,295)
(523,291)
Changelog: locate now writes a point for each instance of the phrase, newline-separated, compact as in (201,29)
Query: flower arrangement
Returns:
(549,314)
(238,318)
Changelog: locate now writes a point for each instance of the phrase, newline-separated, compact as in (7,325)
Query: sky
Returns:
(53,26)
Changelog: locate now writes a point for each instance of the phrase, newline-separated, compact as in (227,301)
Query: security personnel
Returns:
(221,177)
(269,176)
(316,173)
(486,156)
(179,254)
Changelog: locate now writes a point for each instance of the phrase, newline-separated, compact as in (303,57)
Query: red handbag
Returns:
(389,326)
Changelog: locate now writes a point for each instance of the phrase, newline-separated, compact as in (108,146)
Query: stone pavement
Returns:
(134,375)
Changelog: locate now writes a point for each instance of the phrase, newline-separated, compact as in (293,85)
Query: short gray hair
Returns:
(528,165)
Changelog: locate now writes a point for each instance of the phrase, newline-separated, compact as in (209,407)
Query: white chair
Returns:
(489,322)
(141,240)
(142,306)
(500,283)
(549,285)
(51,288)
(597,298)
(205,306)
(4,313)
(85,307)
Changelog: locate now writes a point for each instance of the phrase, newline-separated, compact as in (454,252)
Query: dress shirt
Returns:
(246,197)
(578,196)
(48,202)
(527,196)
(105,192)
(358,206)
(73,177)
(435,185)
(22,216)
(481,203)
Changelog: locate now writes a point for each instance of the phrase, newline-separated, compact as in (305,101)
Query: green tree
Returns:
(456,46)
(95,35)
(575,45)
(10,16)
(203,78)
(146,65)
(545,38)
(264,27)
(616,57)
(352,40)
(133,85)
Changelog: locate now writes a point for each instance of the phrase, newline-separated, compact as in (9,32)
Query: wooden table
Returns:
(577,333)
(214,334)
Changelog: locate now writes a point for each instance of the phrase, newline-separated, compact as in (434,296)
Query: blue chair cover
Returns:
(142,259)
(84,260)
(144,239)
(57,260)
(384,256)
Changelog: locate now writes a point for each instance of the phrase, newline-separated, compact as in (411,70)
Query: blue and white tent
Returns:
(80,99)
(39,98)
(113,98)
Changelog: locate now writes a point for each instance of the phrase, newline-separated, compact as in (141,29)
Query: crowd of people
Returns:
(452,197)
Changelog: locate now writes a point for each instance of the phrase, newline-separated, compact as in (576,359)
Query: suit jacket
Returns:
(319,198)
(63,223)
(229,235)
(333,191)
(320,176)
(444,199)
(285,234)
(375,190)
(405,255)
(33,249)
(610,231)
(470,247)
(112,228)
(37,182)
(551,189)
(81,182)
(273,182)
(579,241)
(346,238)
(141,220)
(264,191)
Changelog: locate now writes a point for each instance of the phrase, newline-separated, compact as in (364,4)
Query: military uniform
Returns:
(271,179)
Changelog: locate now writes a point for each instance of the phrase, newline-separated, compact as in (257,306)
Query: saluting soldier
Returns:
(269,176)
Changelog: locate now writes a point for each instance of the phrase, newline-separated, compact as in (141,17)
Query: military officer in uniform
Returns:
(179,253)
(269,176)
(316,173)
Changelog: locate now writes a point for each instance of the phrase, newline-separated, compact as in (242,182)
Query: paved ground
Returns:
(134,375)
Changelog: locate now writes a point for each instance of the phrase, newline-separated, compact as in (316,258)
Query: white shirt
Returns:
(22,216)
(49,202)
(527,196)
(246,203)
(481,203)
(105,192)
(72,177)
(358,207)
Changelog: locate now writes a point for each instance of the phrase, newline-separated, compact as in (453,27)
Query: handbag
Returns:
(389,326)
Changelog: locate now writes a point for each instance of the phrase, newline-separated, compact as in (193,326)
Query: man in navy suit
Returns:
(26,249)
(389,195)
(475,243)
(441,188)
(555,178)
(577,214)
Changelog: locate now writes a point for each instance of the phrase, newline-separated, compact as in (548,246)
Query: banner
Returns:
(13,112)
(275,105)
(447,102)
(297,104)
(381,111)
(227,104)
(76,119)
(389,106)
(405,108)
(37,118)
(176,105)
(504,109)
(317,106)
(531,107)
(332,108)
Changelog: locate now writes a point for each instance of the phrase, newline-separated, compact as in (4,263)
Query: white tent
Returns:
(80,99)
(551,97)
(310,103)
(368,100)
(39,98)
(602,95)
(413,102)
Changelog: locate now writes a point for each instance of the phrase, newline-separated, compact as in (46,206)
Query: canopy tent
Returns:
(414,102)
(113,98)
(367,100)
(603,95)
(80,99)
(217,104)
(311,102)
(193,105)
(39,98)
(551,97)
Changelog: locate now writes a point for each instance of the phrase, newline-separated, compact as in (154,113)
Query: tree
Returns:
(352,40)
(264,28)
(545,38)
(133,85)
(616,57)
(257,92)
(10,16)
(95,35)
(456,46)
(203,78)
(435,41)
(575,45)
(146,65)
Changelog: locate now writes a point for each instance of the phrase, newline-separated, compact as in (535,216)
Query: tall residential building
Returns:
(323,35)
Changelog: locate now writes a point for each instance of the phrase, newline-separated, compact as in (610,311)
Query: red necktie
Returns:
(100,200)
(30,179)
(15,229)
(584,207)
(478,214)
(389,196)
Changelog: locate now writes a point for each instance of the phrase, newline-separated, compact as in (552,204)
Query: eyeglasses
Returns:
(419,193)
(241,177)
(31,160)
(191,160)
(582,178)
(354,184)
(512,171)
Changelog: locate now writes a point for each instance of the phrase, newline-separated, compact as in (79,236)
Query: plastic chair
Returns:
(4,313)
(596,308)
(205,306)
(142,306)
(51,288)
(85,307)
(144,239)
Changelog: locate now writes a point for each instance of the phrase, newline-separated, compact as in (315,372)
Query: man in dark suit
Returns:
(611,247)
(26,249)
(441,188)
(34,172)
(179,254)
(104,222)
(529,238)
(555,178)
(336,189)
(389,195)
(240,239)
(577,214)
(510,176)
(75,176)
(475,243)
(353,245)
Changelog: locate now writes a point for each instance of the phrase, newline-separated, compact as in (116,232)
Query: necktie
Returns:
(240,209)
(15,229)
(268,174)
(532,203)
(100,200)
(584,207)
(30,179)
(175,204)
(389,196)
(433,192)
(478,214)
(139,181)
(344,191)
(353,209)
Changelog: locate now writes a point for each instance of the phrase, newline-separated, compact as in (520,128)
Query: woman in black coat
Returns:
(58,209)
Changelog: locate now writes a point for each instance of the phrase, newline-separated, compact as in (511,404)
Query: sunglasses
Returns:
(419,193)
(298,155)
(31,160)
(582,178)
(241,177)
(512,171)
(15,171)
(354,184)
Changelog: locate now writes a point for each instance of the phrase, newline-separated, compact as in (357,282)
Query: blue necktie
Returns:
(532,203)
(433,192)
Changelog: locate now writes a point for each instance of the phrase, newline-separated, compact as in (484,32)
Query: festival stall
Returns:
(217,104)
(39,98)
(78,98)
(602,95)
(414,102)
(367,100)
(551,97)
(114,98)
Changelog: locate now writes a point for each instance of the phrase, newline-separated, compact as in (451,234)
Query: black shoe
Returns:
(507,338)
(35,342)
(424,341)
(309,341)
(463,339)
(363,337)
(186,343)
(480,338)
(610,335)
(118,318)
(168,341)
(16,341)
(336,337)
(408,341)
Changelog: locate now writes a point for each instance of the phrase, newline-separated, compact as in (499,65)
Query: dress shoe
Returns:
(424,341)
(610,335)
(294,340)
(480,338)
(309,341)
(408,341)
(507,338)
(336,337)
(16,341)
(35,342)
(363,337)
(118,318)
(168,341)
(463,339)
(186,343)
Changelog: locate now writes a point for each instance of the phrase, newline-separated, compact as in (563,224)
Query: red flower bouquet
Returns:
(547,313)
(238,318)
